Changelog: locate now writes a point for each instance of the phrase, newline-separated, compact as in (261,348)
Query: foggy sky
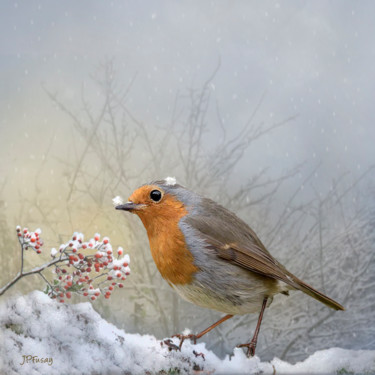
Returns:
(313,59)
(309,59)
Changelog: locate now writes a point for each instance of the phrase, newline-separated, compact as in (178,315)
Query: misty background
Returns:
(265,107)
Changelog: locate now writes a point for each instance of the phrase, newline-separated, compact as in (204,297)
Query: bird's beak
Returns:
(130,206)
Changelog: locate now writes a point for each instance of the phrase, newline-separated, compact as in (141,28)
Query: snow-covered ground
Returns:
(74,339)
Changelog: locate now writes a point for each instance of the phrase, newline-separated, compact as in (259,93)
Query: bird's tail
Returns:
(308,289)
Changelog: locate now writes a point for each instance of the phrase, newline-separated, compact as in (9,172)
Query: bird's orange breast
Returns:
(168,248)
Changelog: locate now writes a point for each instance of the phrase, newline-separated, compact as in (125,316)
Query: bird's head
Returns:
(159,201)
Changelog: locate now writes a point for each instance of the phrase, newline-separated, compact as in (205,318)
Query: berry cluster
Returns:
(88,268)
(29,239)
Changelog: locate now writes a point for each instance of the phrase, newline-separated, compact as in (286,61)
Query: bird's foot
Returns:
(250,348)
(184,337)
(170,344)
(199,355)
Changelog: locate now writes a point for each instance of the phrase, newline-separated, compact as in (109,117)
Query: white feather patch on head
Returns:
(117,201)
(170,181)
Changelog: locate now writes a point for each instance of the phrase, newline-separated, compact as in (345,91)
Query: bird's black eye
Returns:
(155,195)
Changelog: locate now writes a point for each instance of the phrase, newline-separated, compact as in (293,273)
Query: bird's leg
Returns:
(199,335)
(253,343)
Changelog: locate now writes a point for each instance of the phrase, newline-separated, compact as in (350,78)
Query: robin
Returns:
(210,256)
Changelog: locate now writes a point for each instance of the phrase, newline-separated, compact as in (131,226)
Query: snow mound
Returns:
(74,339)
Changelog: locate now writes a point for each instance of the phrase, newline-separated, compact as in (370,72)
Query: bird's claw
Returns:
(199,355)
(250,348)
(171,345)
(184,337)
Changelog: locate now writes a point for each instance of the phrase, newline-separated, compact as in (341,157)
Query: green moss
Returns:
(16,328)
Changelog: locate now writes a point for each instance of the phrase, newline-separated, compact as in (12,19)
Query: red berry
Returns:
(19,234)
(105,240)
(80,256)
(74,250)
(107,296)
(63,270)
(85,294)
(109,278)
(62,301)
(33,239)
(68,294)
(97,294)
(93,298)
(38,251)
(110,287)
(119,275)
(84,246)
(88,269)
(115,268)
(97,237)
(125,264)
(120,285)
(123,278)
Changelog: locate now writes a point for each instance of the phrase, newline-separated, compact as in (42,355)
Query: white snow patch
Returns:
(79,341)
(53,252)
(170,181)
(117,200)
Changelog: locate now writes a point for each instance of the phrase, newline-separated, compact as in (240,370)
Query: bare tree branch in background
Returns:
(300,233)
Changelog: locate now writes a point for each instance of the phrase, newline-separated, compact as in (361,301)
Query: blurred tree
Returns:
(324,240)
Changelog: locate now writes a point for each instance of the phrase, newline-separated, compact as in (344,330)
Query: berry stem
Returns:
(34,271)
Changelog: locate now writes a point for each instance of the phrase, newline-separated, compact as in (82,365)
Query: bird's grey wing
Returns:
(246,251)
